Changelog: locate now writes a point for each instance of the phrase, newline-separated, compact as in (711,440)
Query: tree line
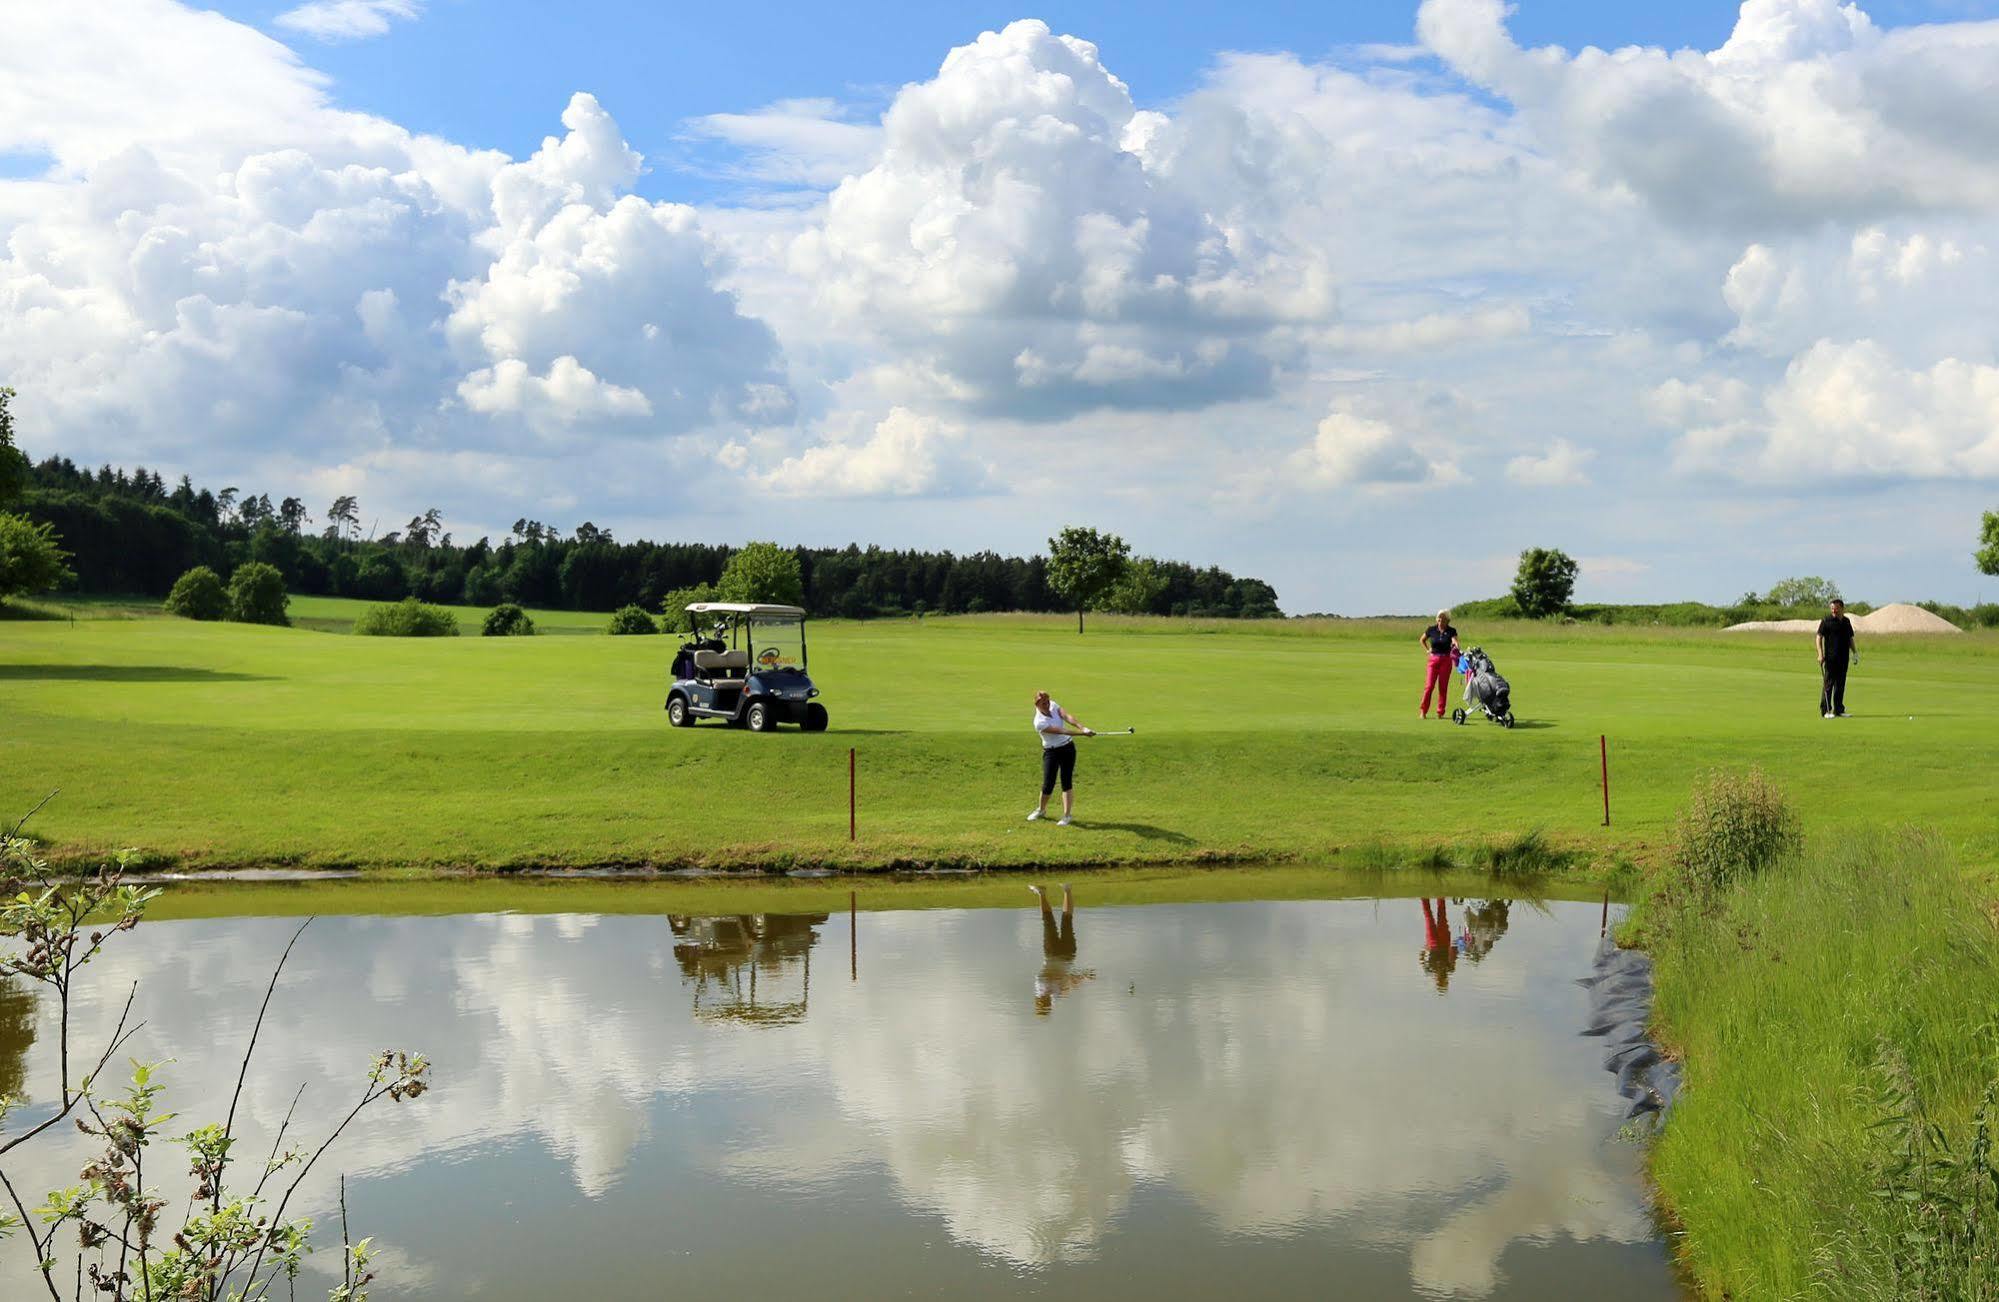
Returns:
(130,532)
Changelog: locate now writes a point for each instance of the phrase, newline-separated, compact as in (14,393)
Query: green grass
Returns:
(227,744)
(1782,998)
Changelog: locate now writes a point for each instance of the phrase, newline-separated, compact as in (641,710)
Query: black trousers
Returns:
(1058,761)
(1832,692)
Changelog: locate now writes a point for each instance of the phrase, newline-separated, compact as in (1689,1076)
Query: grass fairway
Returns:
(226,744)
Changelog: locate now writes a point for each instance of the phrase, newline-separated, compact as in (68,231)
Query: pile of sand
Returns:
(1898,617)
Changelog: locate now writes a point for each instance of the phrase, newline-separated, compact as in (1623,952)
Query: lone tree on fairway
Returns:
(1987,554)
(763,572)
(257,595)
(31,557)
(198,594)
(673,607)
(1546,579)
(1084,565)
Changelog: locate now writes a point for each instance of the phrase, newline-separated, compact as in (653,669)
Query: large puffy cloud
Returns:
(1013,236)
(1849,411)
(1808,111)
(906,454)
(234,284)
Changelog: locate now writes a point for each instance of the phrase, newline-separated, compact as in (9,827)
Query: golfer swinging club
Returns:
(1058,729)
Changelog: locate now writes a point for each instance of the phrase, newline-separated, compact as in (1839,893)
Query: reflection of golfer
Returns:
(1058,729)
(1439,956)
(1835,646)
(1058,952)
(1441,640)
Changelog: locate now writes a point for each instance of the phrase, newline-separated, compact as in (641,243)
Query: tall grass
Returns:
(1835,1017)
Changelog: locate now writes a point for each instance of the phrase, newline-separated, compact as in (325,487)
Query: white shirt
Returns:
(1050,726)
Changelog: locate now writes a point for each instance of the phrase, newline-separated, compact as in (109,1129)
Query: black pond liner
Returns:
(1620,1006)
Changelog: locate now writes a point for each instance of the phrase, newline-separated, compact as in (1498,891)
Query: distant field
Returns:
(320,614)
(226,744)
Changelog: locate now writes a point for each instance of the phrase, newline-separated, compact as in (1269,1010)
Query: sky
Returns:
(1360,299)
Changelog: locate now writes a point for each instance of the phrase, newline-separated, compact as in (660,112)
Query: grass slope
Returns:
(226,744)
(1795,999)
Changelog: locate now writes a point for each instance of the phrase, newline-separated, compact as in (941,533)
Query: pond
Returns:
(1372,1098)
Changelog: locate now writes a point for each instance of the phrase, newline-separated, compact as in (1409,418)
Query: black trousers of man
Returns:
(1832,694)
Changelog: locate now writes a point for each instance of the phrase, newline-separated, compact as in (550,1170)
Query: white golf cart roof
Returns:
(746,608)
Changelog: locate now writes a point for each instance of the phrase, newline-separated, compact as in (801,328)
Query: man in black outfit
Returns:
(1835,644)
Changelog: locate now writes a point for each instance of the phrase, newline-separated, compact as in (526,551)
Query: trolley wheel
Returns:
(761,718)
(1458,717)
(1506,720)
(815,717)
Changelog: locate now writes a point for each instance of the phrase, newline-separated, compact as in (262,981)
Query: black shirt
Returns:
(1440,639)
(1837,631)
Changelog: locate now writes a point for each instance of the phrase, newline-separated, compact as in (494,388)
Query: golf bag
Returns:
(1485,691)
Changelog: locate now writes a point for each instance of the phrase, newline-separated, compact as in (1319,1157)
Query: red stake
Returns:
(1603,753)
(850,793)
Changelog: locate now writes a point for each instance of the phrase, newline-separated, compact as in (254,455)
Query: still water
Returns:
(1362,1098)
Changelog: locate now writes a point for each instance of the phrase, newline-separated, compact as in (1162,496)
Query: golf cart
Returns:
(749,670)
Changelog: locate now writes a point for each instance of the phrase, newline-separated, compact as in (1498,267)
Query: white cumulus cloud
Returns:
(1562,465)
(906,454)
(347,20)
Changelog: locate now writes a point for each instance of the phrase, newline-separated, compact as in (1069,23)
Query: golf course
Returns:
(227,745)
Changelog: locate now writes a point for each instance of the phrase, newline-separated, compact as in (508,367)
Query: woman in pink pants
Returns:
(1441,641)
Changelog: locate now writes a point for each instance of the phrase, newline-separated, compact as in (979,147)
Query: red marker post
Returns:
(1603,754)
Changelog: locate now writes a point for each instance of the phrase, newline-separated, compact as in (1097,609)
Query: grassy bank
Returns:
(229,744)
(1823,1009)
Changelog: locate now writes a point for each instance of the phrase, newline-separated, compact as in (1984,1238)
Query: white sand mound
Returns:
(1898,617)
(1901,617)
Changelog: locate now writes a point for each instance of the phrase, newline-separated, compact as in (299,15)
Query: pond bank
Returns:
(1827,1013)
(431,895)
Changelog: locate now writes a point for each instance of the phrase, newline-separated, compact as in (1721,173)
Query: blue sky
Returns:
(1362,299)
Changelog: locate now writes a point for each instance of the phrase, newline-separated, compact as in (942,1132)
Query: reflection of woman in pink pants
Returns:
(1441,641)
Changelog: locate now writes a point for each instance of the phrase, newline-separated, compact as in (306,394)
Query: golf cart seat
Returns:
(722,664)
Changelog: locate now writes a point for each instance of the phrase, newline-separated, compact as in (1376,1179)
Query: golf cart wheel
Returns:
(815,717)
(1506,720)
(677,712)
(1458,717)
(760,718)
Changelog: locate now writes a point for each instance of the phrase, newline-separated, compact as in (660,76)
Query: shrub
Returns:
(257,595)
(507,620)
(629,621)
(198,594)
(31,557)
(1734,826)
(673,607)
(407,618)
(763,571)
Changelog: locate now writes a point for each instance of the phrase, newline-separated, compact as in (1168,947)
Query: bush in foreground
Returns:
(406,618)
(631,621)
(507,620)
(1733,826)
(257,595)
(31,557)
(198,594)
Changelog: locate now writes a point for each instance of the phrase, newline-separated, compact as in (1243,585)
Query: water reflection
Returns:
(1238,1102)
(17,1034)
(722,958)
(1484,924)
(1059,974)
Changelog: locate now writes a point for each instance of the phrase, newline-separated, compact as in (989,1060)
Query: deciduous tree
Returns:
(763,572)
(31,557)
(1084,565)
(1546,580)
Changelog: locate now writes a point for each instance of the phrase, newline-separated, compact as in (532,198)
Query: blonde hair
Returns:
(1444,615)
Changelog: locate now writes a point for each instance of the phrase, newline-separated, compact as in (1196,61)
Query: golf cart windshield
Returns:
(774,642)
